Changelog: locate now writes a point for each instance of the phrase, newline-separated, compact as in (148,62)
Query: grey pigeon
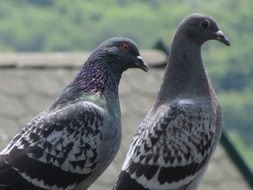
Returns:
(70,144)
(173,145)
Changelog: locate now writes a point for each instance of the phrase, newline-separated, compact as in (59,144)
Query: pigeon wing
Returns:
(57,145)
(172,150)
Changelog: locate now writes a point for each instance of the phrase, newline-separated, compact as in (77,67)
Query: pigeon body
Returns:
(72,142)
(173,145)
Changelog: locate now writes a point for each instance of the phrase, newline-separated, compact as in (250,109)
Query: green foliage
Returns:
(78,25)
(238,109)
(62,25)
(238,142)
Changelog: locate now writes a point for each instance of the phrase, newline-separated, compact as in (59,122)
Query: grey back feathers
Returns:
(173,145)
(71,143)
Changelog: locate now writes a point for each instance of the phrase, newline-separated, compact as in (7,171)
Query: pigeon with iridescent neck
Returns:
(174,143)
(70,144)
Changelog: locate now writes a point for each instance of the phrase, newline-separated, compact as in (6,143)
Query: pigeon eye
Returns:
(125,46)
(205,24)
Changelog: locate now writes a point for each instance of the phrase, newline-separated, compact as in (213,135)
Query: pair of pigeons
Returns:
(71,143)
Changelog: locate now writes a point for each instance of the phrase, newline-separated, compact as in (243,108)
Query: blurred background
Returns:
(80,25)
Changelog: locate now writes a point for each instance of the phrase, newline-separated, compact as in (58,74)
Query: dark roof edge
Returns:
(235,156)
(41,60)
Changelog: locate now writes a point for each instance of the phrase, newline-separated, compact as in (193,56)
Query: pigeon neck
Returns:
(98,80)
(94,81)
(185,74)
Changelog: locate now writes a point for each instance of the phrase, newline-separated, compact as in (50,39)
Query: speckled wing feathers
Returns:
(170,150)
(58,144)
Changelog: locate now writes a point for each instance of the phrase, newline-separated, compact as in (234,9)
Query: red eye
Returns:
(125,46)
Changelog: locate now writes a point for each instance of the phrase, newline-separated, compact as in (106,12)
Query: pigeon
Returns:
(71,143)
(174,143)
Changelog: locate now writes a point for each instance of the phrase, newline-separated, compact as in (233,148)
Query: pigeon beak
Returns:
(221,37)
(141,64)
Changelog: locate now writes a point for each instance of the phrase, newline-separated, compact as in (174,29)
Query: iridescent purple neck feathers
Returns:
(96,78)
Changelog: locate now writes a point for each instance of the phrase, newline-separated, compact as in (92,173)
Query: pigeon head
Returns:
(200,28)
(101,73)
(121,53)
